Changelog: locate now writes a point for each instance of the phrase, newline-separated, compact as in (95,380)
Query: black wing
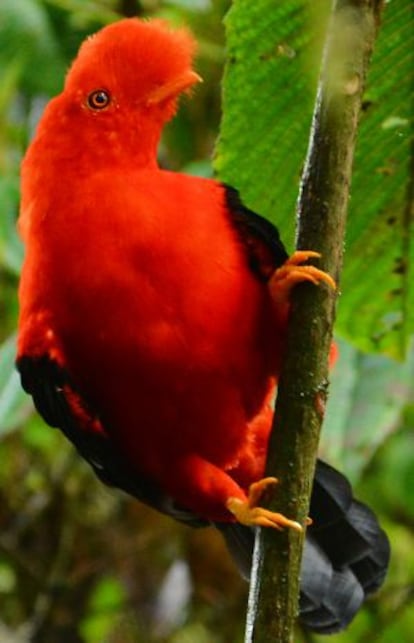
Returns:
(47,383)
(265,250)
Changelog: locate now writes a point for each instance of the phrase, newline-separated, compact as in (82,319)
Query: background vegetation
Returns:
(82,563)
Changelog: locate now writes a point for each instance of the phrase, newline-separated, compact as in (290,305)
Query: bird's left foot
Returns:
(249,513)
(292,272)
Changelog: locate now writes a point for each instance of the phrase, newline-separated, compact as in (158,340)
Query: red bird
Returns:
(154,305)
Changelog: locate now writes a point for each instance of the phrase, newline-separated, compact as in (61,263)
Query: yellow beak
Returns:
(173,88)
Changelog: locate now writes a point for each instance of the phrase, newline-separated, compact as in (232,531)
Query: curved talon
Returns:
(257,489)
(299,256)
(248,513)
(292,272)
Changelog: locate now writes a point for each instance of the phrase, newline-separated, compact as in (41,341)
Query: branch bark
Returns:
(322,210)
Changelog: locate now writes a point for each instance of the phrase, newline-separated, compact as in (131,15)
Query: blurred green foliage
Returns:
(81,563)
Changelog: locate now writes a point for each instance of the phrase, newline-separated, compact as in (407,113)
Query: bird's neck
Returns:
(51,171)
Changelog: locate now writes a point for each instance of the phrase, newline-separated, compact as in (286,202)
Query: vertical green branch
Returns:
(322,210)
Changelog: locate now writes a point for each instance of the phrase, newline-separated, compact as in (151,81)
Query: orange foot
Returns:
(292,273)
(248,513)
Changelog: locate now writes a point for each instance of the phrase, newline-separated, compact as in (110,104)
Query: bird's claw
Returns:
(248,513)
(293,272)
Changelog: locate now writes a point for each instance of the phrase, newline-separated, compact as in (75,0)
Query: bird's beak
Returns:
(173,88)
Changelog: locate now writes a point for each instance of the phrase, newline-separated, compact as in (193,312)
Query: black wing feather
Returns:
(46,382)
(265,250)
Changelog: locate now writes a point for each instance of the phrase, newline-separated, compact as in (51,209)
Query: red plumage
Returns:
(136,281)
(153,317)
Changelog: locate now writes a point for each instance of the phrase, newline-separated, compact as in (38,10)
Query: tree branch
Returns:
(302,393)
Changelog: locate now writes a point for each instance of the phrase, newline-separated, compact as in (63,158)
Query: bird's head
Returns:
(123,86)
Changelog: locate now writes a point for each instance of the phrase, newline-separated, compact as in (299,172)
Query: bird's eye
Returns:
(99,99)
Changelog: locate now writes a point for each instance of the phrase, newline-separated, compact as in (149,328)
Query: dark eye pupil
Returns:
(98,99)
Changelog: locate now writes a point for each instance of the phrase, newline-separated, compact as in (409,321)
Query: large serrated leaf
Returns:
(268,93)
(273,56)
(377,307)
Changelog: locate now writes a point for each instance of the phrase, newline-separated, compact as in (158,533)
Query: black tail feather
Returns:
(345,558)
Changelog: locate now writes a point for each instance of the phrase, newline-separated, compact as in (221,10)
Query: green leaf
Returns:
(377,310)
(15,405)
(396,482)
(86,13)
(7,578)
(273,55)
(27,40)
(269,86)
(105,602)
(367,396)
(11,248)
